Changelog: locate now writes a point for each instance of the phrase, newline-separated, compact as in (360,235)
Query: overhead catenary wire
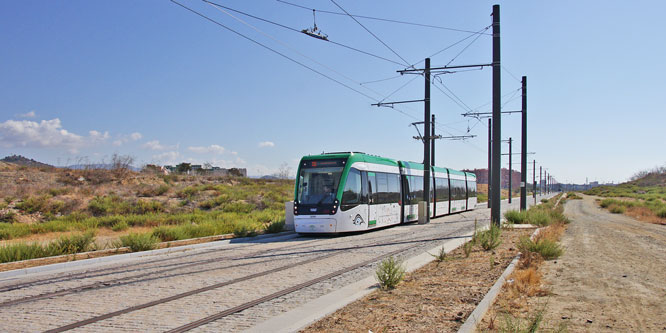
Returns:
(452,45)
(271,49)
(291,48)
(284,55)
(371,33)
(463,50)
(300,32)
(379,19)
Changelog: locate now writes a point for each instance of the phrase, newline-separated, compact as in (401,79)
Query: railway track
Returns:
(156,275)
(412,243)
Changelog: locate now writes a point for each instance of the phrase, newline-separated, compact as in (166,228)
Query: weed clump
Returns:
(441,255)
(515,217)
(275,227)
(138,242)
(616,209)
(72,244)
(389,273)
(548,249)
(489,239)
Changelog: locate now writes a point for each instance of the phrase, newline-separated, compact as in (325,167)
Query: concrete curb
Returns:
(477,315)
(306,314)
(7,275)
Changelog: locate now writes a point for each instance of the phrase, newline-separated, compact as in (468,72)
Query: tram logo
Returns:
(358,220)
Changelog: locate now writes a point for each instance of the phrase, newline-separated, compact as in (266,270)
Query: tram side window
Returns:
(393,187)
(462,190)
(415,190)
(471,188)
(351,196)
(442,189)
(382,188)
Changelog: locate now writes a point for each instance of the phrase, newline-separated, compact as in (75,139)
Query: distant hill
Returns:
(650,179)
(97,166)
(21,160)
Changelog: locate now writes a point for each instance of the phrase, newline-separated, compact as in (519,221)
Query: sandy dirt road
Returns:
(612,276)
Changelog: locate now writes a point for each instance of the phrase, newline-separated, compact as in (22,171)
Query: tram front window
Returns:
(318,185)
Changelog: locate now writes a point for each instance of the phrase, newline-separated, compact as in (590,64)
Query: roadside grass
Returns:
(64,245)
(541,215)
(573,196)
(644,202)
(526,279)
(138,242)
(489,239)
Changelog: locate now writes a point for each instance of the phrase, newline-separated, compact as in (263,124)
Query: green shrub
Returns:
(540,217)
(244,230)
(389,273)
(616,209)
(544,200)
(607,202)
(468,247)
(72,244)
(238,207)
(139,242)
(515,217)
(167,234)
(275,226)
(120,226)
(34,204)
(546,248)
(489,239)
(441,255)
(21,251)
(662,213)
(8,217)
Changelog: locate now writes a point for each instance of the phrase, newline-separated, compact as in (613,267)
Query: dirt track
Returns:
(612,276)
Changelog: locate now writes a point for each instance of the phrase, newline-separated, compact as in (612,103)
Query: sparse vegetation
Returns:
(468,247)
(138,242)
(389,273)
(489,239)
(548,249)
(64,245)
(441,255)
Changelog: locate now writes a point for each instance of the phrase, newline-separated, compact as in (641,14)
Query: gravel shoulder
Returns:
(612,276)
(434,298)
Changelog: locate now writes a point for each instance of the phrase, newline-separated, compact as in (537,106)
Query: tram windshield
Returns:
(318,182)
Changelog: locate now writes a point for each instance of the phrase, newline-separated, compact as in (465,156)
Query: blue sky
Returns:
(82,80)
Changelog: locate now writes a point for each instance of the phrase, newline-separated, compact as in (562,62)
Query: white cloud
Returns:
(212,149)
(135,136)
(45,134)
(30,114)
(96,136)
(169,157)
(265,144)
(156,145)
(123,139)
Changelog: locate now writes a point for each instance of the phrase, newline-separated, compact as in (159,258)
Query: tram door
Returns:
(372,199)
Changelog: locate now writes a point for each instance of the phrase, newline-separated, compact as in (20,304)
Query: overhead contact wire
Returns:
(370,32)
(272,50)
(300,32)
(380,19)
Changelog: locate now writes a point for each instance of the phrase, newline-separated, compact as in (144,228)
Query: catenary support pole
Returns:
(497,122)
(534,180)
(510,169)
(432,141)
(426,141)
(490,157)
(540,181)
(523,149)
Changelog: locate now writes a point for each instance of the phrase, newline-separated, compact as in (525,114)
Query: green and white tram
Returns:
(345,192)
